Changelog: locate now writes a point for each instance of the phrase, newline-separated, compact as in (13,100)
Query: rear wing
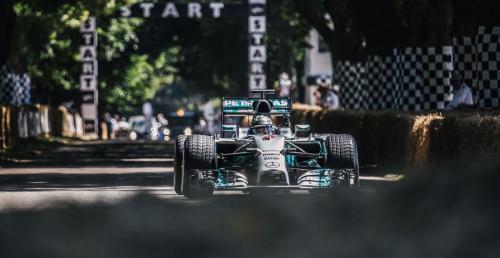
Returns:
(244,106)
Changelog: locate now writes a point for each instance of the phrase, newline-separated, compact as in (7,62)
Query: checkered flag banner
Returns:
(377,92)
(25,92)
(478,59)
(488,64)
(418,79)
(464,59)
(4,90)
(350,77)
(412,79)
(15,89)
(437,65)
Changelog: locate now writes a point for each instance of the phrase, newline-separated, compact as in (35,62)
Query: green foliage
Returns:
(116,36)
(139,57)
(286,39)
(141,80)
(47,38)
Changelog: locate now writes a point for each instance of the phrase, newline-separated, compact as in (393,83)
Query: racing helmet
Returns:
(262,124)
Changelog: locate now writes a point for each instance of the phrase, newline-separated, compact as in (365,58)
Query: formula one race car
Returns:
(257,150)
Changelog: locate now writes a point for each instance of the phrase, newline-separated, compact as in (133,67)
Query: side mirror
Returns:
(302,131)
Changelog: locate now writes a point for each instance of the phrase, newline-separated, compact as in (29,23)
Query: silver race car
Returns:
(258,150)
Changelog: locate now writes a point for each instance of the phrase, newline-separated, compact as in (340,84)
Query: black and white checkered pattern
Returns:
(8,84)
(488,65)
(350,77)
(377,91)
(25,89)
(437,64)
(14,88)
(412,79)
(395,80)
(464,59)
(4,90)
(410,65)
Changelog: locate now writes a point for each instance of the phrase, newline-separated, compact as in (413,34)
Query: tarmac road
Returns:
(85,200)
(95,172)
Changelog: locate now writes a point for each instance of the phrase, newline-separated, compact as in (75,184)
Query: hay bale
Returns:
(477,136)
(343,122)
(407,139)
(393,133)
(420,139)
(370,143)
(434,133)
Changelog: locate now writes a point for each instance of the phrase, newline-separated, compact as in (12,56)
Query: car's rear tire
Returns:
(199,153)
(342,154)
(178,156)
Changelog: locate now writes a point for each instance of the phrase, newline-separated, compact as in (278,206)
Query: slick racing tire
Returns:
(199,153)
(178,156)
(342,154)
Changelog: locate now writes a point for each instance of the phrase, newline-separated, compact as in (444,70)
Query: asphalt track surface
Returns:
(93,172)
(101,199)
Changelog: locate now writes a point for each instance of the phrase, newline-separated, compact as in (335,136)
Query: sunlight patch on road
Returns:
(111,160)
(86,170)
(386,178)
(147,160)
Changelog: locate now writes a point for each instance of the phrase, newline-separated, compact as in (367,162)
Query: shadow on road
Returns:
(106,165)
(47,182)
(107,154)
(447,212)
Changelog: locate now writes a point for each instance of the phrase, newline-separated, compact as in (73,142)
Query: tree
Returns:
(364,27)
(286,40)
(138,57)
(45,39)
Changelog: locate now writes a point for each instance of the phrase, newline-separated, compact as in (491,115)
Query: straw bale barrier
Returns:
(410,139)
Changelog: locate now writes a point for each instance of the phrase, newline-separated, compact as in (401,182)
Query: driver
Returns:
(262,124)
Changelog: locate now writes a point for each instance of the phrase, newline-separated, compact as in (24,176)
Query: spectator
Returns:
(462,95)
(317,97)
(109,124)
(284,86)
(114,125)
(327,97)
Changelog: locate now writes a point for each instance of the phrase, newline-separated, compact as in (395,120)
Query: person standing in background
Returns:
(462,94)
(328,99)
(326,96)
(284,87)
(147,111)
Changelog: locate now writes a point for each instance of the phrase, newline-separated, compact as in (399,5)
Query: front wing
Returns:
(227,180)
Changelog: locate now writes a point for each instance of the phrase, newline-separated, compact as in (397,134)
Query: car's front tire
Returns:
(342,154)
(199,153)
